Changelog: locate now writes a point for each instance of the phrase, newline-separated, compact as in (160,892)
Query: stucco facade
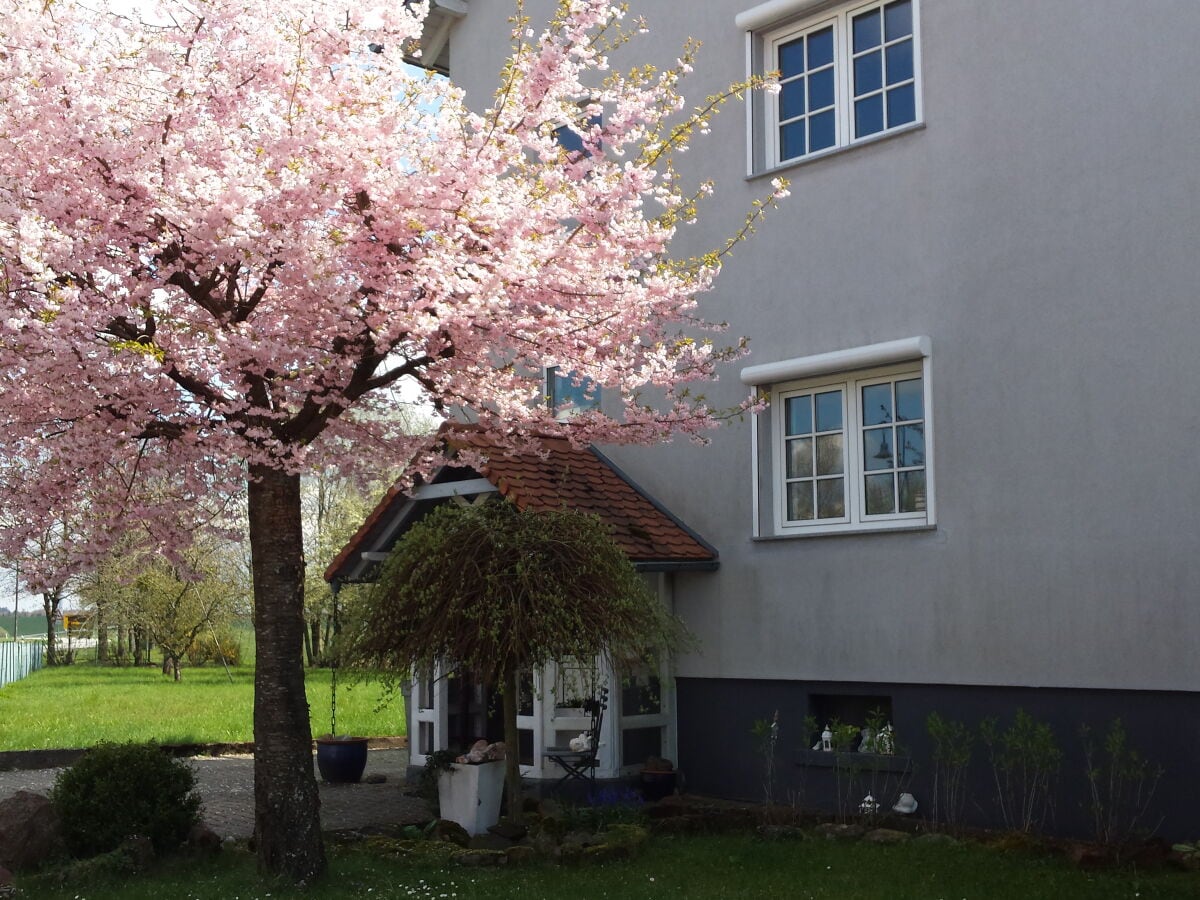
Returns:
(1037,224)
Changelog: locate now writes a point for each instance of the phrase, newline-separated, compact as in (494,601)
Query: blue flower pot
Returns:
(341,760)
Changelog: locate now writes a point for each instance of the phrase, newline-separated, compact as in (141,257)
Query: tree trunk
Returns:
(101,635)
(287,820)
(50,601)
(136,638)
(309,657)
(512,747)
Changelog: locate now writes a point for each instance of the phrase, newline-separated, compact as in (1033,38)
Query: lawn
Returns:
(81,705)
(696,868)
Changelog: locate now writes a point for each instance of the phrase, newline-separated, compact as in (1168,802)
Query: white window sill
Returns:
(845,531)
(836,151)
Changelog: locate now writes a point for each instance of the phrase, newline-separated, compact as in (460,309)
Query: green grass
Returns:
(81,705)
(696,868)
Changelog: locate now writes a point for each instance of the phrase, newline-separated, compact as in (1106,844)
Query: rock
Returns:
(489,842)
(481,858)
(782,832)
(1093,856)
(29,831)
(445,830)
(834,831)
(886,836)
(520,853)
(375,778)
(936,837)
(203,841)
(509,830)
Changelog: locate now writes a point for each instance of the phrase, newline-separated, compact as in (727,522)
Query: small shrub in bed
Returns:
(118,790)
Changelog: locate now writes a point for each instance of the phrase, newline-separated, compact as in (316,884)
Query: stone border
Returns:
(20,760)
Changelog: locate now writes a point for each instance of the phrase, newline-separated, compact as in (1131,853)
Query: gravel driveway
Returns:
(226,784)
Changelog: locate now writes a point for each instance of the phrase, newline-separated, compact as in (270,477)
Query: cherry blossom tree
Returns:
(230,228)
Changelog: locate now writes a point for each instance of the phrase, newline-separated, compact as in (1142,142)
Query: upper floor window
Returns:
(845,76)
(569,394)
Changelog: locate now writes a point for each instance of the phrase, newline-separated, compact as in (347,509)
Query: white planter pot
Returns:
(470,795)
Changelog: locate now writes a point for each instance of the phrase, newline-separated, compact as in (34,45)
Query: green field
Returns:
(696,868)
(83,704)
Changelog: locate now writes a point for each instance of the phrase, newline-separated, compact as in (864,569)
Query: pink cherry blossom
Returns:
(228,230)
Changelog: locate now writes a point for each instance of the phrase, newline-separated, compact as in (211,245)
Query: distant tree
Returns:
(500,591)
(171,604)
(333,507)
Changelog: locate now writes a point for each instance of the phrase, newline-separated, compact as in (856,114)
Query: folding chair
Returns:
(581,764)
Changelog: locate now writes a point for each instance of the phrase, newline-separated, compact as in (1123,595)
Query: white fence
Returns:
(19,658)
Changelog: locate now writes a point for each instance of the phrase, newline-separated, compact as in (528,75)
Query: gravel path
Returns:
(226,784)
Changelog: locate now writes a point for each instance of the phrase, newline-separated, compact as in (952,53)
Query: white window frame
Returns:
(849,370)
(771,24)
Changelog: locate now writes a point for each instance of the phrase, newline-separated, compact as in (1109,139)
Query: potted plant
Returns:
(471,787)
(658,779)
(341,758)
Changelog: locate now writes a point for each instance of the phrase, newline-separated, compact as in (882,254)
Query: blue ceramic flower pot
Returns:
(341,760)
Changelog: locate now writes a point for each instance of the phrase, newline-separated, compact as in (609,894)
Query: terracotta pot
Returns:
(657,785)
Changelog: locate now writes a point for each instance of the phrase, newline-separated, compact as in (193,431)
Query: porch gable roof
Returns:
(560,475)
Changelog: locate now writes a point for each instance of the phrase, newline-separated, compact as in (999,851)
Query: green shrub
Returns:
(118,790)
(206,648)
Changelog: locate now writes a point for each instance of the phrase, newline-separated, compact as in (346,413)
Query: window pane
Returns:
(899,62)
(831,498)
(791,100)
(791,58)
(877,404)
(820,48)
(639,744)
(881,498)
(821,131)
(820,90)
(800,458)
(829,411)
(641,693)
(866,31)
(791,140)
(912,492)
(800,501)
(910,400)
(868,116)
(568,398)
(799,414)
(877,448)
(910,445)
(897,19)
(868,73)
(829,454)
(902,105)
